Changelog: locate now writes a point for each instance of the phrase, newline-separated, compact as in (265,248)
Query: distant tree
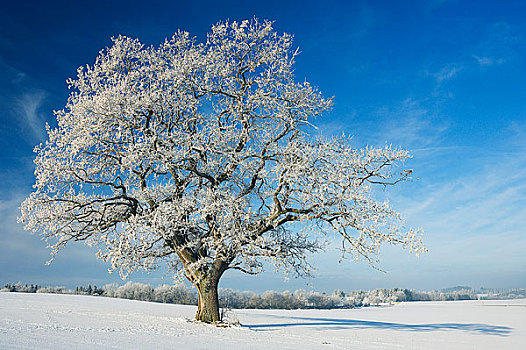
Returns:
(199,155)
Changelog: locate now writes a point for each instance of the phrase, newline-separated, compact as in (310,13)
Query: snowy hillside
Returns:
(48,321)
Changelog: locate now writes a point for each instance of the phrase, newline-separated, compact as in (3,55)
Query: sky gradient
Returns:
(442,79)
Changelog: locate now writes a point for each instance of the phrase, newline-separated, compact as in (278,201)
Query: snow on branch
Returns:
(199,155)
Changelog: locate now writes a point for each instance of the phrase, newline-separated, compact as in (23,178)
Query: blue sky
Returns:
(443,79)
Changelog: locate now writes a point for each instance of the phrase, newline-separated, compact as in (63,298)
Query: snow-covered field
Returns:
(51,321)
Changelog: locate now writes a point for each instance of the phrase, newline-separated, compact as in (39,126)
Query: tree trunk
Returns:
(208,303)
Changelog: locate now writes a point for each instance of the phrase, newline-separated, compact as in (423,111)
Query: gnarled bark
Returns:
(206,280)
(208,302)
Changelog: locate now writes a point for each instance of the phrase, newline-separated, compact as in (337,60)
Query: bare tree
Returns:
(199,155)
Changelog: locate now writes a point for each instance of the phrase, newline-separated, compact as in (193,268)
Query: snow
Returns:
(52,321)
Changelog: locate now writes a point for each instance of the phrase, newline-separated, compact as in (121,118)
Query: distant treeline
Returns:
(179,294)
(299,299)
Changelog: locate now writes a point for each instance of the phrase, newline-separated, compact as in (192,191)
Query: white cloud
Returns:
(488,61)
(411,125)
(448,72)
(9,73)
(499,45)
(480,209)
(27,108)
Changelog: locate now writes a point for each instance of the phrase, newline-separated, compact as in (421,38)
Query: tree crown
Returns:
(200,154)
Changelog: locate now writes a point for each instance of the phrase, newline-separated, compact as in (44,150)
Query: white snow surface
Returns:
(52,321)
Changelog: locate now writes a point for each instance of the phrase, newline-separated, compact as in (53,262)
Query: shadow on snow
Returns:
(335,323)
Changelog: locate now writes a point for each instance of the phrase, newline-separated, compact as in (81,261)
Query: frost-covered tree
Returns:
(199,155)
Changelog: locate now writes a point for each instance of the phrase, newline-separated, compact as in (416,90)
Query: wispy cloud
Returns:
(499,45)
(496,47)
(11,74)
(472,214)
(410,124)
(487,200)
(27,109)
(490,200)
(488,61)
(446,73)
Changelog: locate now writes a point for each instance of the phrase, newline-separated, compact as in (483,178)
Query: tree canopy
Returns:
(203,155)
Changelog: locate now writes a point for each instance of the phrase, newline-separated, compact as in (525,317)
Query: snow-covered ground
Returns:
(51,321)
